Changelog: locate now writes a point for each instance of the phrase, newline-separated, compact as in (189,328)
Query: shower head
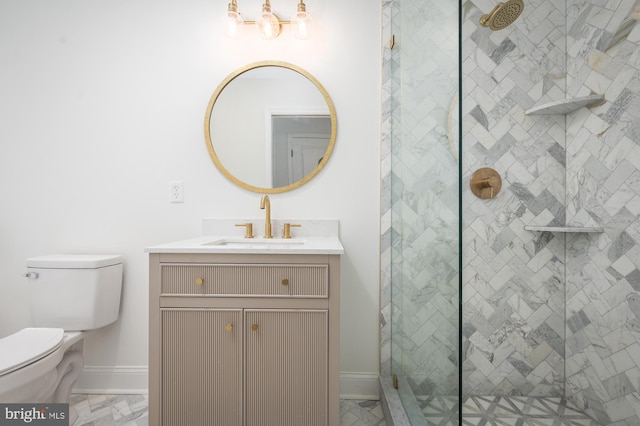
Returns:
(503,15)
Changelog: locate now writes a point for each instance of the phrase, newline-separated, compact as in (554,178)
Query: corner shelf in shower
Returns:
(565,106)
(566,229)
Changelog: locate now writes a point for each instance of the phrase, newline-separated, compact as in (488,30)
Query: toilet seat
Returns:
(27,346)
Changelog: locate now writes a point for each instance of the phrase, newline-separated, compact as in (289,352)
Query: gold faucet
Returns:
(266,204)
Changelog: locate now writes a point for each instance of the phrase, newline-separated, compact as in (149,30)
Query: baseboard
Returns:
(134,380)
(359,386)
(122,379)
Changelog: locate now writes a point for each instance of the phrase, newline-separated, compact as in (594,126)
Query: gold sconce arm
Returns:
(268,23)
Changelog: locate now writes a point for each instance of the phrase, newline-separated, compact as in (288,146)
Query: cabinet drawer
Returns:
(239,280)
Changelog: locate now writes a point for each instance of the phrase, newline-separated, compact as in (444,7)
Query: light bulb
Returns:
(301,22)
(268,23)
(234,22)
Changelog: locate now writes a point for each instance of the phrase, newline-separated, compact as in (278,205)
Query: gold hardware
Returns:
(199,281)
(287,229)
(299,23)
(485,183)
(254,326)
(395,381)
(217,98)
(503,15)
(228,327)
(285,281)
(265,204)
(392,42)
(248,232)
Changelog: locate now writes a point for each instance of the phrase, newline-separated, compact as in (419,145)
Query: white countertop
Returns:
(312,236)
(258,245)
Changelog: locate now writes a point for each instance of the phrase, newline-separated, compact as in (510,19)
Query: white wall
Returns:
(102,104)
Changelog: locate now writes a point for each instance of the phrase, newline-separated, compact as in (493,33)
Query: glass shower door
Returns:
(425,209)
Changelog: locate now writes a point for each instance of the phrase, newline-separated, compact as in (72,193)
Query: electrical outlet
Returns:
(176,191)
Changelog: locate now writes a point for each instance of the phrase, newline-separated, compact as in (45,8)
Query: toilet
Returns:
(69,295)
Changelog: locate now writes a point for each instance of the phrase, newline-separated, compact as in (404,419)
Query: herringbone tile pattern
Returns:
(513,292)
(603,187)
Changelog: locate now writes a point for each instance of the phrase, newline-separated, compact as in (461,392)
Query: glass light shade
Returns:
(301,25)
(268,25)
(234,25)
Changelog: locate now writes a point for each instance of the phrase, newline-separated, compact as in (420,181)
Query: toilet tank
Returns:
(74,292)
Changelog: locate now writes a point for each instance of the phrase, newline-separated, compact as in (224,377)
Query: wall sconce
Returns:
(267,22)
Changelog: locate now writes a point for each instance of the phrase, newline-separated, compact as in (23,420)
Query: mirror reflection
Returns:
(270,127)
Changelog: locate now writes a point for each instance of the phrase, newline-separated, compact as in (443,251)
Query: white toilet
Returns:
(68,295)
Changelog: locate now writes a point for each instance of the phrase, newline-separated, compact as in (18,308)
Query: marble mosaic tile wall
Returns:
(603,188)
(513,280)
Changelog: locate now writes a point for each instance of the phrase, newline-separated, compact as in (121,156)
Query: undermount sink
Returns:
(254,242)
(313,237)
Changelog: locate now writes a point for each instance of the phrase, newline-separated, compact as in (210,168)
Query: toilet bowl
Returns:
(69,295)
(35,361)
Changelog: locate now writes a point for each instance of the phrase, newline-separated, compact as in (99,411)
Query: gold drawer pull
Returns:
(285,281)
(199,281)
(254,326)
(228,327)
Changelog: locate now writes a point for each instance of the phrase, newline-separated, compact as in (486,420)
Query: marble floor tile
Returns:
(495,410)
(131,410)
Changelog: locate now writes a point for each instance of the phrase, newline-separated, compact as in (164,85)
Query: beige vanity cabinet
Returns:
(244,339)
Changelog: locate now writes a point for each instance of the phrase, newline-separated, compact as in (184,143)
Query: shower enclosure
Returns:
(421,129)
(525,304)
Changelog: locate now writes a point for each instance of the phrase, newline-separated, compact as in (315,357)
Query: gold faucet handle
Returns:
(248,232)
(287,229)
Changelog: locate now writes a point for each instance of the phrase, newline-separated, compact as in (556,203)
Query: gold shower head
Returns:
(503,15)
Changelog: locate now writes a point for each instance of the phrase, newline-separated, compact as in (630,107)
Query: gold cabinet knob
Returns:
(228,327)
(199,281)
(254,326)
(285,281)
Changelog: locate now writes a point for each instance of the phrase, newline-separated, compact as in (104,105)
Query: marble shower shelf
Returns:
(566,229)
(565,106)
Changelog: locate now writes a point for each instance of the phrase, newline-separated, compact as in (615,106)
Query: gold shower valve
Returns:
(485,183)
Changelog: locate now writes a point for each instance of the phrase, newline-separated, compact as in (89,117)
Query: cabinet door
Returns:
(286,367)
(201,367)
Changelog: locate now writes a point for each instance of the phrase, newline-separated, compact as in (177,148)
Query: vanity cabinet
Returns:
(244,339)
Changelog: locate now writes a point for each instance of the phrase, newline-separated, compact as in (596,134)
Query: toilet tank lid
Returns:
(74,261)
(26,346)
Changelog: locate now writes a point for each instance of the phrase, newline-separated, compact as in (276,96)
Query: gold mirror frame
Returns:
(209,139)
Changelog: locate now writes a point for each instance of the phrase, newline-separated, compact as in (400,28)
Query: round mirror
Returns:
(270,127)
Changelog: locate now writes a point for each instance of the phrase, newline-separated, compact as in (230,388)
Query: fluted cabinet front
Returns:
(286,367)
(244,340)
(202,367)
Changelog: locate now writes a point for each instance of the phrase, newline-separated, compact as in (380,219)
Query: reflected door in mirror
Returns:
(299,146)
